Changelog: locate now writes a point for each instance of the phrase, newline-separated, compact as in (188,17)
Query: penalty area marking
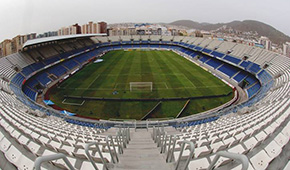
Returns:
(159,88)
(93,81)
(126,88)
(189,81)
(74,104)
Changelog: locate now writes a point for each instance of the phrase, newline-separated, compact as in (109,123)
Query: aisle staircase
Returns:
(144,149)
(139,154)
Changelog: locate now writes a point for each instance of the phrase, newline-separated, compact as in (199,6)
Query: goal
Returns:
(141,86)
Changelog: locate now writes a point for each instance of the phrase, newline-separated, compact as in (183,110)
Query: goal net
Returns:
(141,86)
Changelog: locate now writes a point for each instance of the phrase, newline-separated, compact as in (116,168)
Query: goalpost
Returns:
(141,86)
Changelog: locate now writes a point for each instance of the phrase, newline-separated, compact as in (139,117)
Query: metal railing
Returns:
(124,136)
(114,155)
(40,160)
(181,152)
(170,151)
(239,157)
(157,131)
(87,147)
(157,122)
(119,143)
(159,136)
(125,122)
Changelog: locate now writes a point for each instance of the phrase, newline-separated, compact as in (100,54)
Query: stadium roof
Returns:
(57,38)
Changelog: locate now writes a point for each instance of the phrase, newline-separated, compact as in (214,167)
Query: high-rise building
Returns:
(63,31)
(74,29)
(78,29)
(6,48)
(17,42)
(94,28)
(102,27)
(265,41)
(71,30)
(286,49)
(29,36)
(90,28)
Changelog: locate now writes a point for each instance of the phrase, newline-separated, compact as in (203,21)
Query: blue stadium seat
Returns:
(70,64)
(197,48)
(51,60)
(31,83)
(228,70)
(254,68)
(251,80)
(57,70)
(264,76)
(207,50)
(18,80)
(253,90)
(43,78)
(27,70)
(37,66)
(232,59)
(204,58)
(30,93)
(245,64)
(240,76)
(214,63)
(217,54)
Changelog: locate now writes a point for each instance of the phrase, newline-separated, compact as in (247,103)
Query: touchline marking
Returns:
(93,81)
(65,86)
(172,74)
(74,104)
(116,85)
(165,85)
(189,81)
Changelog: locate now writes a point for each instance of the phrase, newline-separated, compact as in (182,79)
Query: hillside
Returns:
(248,25)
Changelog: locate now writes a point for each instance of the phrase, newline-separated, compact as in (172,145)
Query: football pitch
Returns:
(169,76)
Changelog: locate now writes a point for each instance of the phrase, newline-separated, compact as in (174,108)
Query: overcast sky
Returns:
(26,16)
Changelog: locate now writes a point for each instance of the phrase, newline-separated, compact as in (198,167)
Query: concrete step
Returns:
(142,153)
(111,131)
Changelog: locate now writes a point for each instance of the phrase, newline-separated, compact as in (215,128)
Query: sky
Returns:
(28,16)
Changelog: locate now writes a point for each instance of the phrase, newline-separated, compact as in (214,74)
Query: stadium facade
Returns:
(253,133)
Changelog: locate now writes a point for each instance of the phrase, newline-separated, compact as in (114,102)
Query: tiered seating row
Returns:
(259,134)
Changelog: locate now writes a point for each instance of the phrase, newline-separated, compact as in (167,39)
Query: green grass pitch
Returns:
(171,75)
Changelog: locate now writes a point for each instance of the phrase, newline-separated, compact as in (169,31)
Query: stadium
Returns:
(94,101)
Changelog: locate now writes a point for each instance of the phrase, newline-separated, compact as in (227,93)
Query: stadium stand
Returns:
(240,76)
(228,70)
(232,59)
(214,44)
(214,63)
(217,54)
(240,50)
(205,43)
(258,128)
(198,41)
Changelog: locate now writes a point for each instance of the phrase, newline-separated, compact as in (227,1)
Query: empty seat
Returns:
(4,144)
(13,154)
(88,165)
(273,149)
(198,164)
(260,160)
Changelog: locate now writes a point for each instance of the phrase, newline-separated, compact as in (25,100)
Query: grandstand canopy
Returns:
(58,38)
